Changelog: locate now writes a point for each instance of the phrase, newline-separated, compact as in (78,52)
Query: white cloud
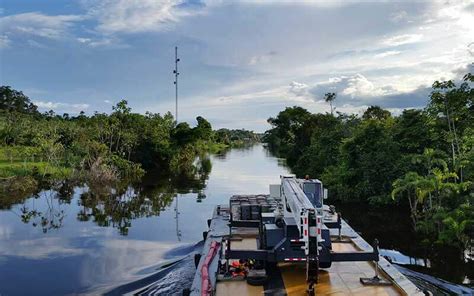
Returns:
(402,39)
(298,89)
(260,59)
(458,13)
(112,16)
(359,85)
(36,44)
(38,24)
(4,41)
(110,42)
(244,98)
(355,86)
(387,53)
(58,106)
(295,92)
(399,16)
(83,40)
(318,3)
(125,16)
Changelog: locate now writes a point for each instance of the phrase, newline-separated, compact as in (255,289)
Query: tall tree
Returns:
(13,100)
(329,98)
(456,105)
(376,112)
(203,129)
(369,160)
(286,126)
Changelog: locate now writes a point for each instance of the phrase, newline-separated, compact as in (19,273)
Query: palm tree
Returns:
(329,98)
(407,186)
(456,226)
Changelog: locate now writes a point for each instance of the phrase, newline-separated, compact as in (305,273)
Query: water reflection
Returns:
(391,226)
(72,238)
(44,210)
(176,211)
(111,205)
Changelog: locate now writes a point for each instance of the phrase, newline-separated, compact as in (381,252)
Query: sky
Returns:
(241,62)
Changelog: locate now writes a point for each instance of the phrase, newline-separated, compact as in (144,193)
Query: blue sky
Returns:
(241,62)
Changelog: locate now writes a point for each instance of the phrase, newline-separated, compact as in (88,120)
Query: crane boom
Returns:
(296,200)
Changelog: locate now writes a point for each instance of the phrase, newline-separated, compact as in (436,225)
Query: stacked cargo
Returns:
(250,207)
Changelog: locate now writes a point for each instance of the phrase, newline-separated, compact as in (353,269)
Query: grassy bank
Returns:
(22,168)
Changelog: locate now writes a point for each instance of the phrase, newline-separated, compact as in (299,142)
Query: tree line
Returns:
(102,147)
(422,159)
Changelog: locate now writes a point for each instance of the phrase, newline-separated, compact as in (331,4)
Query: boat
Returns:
(288,242)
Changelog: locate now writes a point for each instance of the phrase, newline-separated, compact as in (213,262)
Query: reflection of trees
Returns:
(117,206)
(222,154)
(48,213)
(45,208)
(445,261)
(107,205)
(193,180)
(16,190)
(120,207)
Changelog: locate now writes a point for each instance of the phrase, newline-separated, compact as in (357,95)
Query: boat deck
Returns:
(343,278)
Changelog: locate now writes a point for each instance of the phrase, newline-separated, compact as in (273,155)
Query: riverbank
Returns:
(420,161)
(102,149)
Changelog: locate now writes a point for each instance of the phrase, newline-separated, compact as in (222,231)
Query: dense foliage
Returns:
(103,147)
(237,137)
(421,159)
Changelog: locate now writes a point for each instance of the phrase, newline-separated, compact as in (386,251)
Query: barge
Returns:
(289,242)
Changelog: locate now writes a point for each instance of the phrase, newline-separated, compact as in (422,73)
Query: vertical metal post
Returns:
(339,222)
(176,73)
(376,250)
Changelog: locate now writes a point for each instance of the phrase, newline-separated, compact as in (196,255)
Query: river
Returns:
(51,245)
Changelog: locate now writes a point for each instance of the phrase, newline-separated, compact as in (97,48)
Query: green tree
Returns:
(329,98)
(376,112)
(319,144)
(414,131)
(203,130)
(15,101)
(456,104)
(407,187)
(370,160)
(285,128)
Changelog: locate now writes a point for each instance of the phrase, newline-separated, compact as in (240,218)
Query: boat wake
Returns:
(170,277)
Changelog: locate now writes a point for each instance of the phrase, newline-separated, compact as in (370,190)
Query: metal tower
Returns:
(176,73)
